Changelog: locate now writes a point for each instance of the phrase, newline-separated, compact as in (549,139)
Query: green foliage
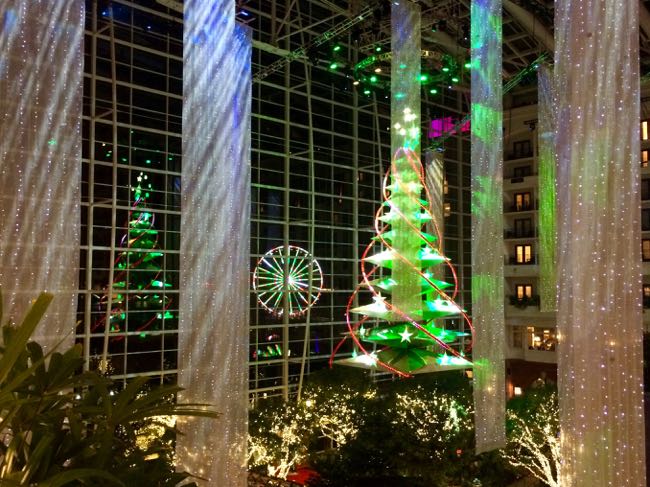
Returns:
(416,432)
(62,426)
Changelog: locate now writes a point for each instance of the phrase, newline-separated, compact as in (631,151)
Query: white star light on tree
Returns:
(406,335)
(380,302)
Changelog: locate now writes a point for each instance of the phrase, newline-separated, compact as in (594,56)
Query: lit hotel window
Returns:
(524,254)
(524,291)
(644,158)
(522,201)
(644,130)
(645,249)
(447,209)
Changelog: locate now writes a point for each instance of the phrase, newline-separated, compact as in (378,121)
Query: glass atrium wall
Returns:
(320,147)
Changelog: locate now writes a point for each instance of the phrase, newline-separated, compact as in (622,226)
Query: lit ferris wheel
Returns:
(287,270)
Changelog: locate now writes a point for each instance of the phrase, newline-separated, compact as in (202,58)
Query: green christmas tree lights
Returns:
(407,333)
(139,302)
(404,330)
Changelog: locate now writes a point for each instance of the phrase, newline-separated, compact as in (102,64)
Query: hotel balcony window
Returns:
(523,228)
(522,201)
(522,149)
(646,296)
(446,209)
(543,339)
(645,219)
(524,291)
(645,157)
(644,130)
(521,171)
(645,249)
(523,254)
(645,189)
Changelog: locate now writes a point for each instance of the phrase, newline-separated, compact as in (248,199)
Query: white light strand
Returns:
(215,215)
(599,264)
(487,226)
(41,72)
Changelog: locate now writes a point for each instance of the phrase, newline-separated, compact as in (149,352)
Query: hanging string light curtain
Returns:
(599,263)
(547,193)
(487,225)
(41,71)
(405,133)
(214,267)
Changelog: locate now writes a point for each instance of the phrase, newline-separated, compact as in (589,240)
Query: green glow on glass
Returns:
(485,121)
(160,284)
(51,142)
(143,335)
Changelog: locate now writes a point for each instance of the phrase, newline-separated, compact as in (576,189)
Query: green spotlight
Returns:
(468,65)
(336,48)
(454,79)
(334,66)
(366,91)
(445,69)
(433,91)
(378,49)
(424,78)
(373,79)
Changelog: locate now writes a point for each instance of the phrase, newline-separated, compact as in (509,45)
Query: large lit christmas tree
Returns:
(138,302)
(409,330)
(407,333)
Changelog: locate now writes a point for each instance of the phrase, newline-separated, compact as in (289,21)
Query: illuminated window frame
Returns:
(645,249)
(524,254)
(524,291)
(644,130)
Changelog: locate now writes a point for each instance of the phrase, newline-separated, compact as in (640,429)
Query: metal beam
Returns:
(528,22)
(177,6)
(301,52)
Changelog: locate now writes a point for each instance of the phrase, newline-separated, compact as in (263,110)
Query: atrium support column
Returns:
(41,75)
(215,236)
(547,193)
(600,374)
(405,144)
(487,225)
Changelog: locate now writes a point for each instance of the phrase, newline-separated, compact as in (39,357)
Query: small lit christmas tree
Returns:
(138,301)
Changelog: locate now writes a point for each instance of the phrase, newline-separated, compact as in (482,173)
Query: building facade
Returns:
(532,335)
